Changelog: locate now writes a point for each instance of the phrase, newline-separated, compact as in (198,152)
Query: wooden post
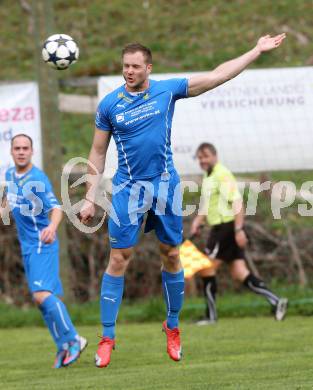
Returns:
(43,17)
(303,280)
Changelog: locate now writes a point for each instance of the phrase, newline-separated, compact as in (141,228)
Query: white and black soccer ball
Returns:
(60,51)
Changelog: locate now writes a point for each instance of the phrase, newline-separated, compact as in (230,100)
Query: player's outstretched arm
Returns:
(96,164)
(230,69)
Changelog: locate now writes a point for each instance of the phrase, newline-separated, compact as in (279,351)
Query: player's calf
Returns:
(257,286)
(209,290)
(173,290)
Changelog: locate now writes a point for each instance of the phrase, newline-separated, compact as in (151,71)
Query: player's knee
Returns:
(173,256)
(239,271)
(40,296)
(119,260)
(170,257)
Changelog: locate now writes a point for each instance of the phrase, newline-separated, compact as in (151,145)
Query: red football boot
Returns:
(174,348)
(103,354)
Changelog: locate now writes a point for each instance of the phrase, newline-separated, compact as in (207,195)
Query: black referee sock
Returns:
(210,290)
(258,286)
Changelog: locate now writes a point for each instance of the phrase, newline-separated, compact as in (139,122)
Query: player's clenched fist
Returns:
(88,211)
(48,234)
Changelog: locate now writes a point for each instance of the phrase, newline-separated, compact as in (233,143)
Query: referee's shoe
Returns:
(281,309)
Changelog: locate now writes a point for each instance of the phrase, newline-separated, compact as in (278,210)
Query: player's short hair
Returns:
(22,135)
(207,146)
(135,47)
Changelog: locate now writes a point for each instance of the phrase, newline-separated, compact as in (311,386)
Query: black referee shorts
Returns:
(222,244)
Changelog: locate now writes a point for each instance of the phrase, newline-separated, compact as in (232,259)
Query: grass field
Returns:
(230,304)
(235,354)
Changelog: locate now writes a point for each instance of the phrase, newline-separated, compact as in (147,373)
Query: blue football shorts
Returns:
(42,270)
(159,199)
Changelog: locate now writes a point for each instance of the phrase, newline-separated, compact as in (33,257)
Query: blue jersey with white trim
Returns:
(141,126)
(30,197)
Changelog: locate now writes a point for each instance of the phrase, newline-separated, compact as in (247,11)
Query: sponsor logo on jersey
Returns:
(119,118)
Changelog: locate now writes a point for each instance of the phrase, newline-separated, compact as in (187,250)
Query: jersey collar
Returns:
(23,175)
(141,95)
(213,169)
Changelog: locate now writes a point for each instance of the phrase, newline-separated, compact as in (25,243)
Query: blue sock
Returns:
(111,297)
(49,323)
(59,322)
(173,290)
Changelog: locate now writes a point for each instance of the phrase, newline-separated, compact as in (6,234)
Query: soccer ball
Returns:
(60,51)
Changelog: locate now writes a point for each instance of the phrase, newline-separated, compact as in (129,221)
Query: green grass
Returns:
(230,305)
(235,354)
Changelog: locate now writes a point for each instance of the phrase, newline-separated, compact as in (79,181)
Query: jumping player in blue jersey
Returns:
(30,198)
(139,117)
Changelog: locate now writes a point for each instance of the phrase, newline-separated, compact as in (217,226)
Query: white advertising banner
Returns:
(260,121)
(19,113)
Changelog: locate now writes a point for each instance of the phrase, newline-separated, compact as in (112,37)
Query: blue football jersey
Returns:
(141,126)
(30,197)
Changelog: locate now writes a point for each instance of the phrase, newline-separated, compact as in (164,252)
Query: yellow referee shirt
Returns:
(219,191)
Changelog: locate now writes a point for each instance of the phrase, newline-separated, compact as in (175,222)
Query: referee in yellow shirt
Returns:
(221,203)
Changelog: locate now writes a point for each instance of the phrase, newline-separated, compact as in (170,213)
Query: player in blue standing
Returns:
(30,197)
(139,117)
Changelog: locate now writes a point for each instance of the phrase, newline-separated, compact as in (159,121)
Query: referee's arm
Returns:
(239,213)
(196,225)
